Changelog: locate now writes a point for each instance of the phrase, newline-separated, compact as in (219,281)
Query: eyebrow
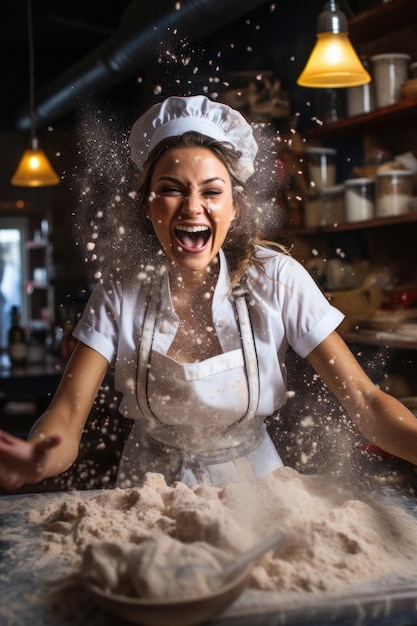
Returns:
(203,182)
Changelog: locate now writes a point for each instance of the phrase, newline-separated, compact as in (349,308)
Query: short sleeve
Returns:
(307,315)
(98,326)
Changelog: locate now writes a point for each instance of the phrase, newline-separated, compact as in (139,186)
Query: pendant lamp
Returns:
(333,61)
(34,169)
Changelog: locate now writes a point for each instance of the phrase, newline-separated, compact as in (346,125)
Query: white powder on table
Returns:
(148,570)
(333,540)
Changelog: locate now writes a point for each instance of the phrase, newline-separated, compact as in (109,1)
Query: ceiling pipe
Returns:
(144,28)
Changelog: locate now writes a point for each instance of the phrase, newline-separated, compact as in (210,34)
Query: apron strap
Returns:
(249,353)
(144,352)
(248,345)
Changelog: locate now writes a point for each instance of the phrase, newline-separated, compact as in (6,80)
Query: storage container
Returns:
(394,190)
(333,205)
(359,199)
(313,207)
(390,71)
(321,166)
(361,99)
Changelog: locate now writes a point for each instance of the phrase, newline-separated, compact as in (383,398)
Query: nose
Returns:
(193,204)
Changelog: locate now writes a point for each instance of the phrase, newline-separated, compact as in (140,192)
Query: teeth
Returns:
(193,229)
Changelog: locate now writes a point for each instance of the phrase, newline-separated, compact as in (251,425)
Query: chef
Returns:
(195,318)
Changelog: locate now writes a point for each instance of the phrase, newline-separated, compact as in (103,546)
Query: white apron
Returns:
(199,419)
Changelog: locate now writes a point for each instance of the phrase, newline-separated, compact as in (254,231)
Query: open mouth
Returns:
(192,237)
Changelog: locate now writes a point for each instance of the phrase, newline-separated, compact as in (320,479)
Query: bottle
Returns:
(17,340)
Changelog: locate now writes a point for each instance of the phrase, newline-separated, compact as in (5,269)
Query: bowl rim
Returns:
(120,599)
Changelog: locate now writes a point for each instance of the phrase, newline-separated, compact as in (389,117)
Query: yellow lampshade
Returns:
(333,63)
(34,170)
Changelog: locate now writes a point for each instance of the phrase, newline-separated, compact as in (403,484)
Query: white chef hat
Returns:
(178,115)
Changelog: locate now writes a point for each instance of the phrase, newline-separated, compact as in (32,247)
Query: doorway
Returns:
(13,233)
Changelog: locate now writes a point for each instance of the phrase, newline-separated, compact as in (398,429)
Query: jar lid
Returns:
(395,173)
(350,182)
(390,55)
(317,150)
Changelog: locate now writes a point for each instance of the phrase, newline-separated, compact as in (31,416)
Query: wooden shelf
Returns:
(377,222)
(358,125)
(382,20)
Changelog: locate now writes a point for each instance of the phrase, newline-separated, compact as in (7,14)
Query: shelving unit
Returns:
(390,27)
(388,23)
(377,222)
(38,289)
(393,117)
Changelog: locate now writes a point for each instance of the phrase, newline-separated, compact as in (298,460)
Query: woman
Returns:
(198,335)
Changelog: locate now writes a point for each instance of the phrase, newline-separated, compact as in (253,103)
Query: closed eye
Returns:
(212,192)
(171,191)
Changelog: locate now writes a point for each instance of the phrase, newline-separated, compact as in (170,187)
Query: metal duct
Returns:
(134,45)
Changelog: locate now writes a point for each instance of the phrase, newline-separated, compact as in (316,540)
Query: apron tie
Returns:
(183,464)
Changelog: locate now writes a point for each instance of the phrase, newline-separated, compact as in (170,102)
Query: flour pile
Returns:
(127,541)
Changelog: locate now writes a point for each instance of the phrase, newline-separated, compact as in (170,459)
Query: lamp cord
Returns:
(31,71)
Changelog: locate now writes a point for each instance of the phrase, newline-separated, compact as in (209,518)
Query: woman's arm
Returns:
(54,440)
(379,417)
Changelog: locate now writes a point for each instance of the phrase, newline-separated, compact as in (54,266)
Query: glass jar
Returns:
(359,199)
(321,167)
(361,99)
(330,107)
(394,191)
(333,205)
(390,71)
(313,206)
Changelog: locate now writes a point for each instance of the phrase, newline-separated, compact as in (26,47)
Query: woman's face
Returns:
(191,205)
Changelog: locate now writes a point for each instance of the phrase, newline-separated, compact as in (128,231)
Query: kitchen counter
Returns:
(32,594)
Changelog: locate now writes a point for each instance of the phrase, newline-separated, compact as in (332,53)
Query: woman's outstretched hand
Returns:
(23,461)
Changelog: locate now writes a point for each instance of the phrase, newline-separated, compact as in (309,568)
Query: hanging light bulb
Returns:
(34,169)
(333,61)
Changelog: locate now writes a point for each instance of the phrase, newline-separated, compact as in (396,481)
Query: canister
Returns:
(313,207)
(359,199)
(333,205)
(390,71)
(321,166)
(394,190)
(361,99)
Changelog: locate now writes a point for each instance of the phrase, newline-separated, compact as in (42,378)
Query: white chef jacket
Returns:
(285,306)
